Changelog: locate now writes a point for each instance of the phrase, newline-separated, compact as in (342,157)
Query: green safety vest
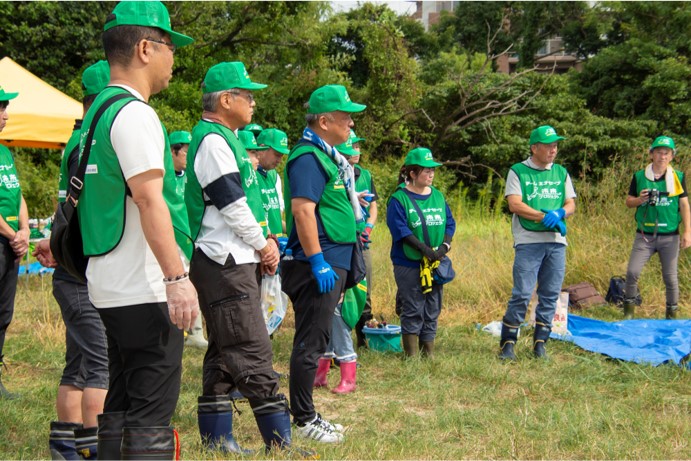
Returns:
(194,195)
(666,212)
(10,190)
(363,183)
(334,207)
(271,201)
(541,189)
(64,177)
(102,202)
(434,210)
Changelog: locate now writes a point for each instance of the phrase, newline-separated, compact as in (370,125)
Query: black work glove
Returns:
(421,247)
(443,248)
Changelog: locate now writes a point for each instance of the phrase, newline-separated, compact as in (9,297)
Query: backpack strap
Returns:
(77,181)
(423,222)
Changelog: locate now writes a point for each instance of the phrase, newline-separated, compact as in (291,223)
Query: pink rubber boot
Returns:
(347,384)
(322,371)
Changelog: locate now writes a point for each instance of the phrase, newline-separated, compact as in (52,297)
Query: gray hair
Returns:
(313,119)
(210,100)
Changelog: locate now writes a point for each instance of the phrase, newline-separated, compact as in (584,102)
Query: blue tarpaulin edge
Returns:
(653,342)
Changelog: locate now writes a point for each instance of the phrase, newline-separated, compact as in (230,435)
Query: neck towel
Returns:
(345,171)
(671,180)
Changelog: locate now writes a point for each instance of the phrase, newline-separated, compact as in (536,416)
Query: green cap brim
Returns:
(353,107)
(281,150)
(356,140)
(179,40)
(252,86)
(8,96)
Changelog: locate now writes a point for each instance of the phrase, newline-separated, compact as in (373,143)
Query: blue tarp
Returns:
(641,341)
(35,268)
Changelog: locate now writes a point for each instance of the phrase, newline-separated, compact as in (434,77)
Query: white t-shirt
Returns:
(520,234)
(232,229)
(130,274)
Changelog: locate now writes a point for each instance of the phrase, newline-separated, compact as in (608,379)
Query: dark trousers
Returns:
(313,318)
(239,352)
(145,363)
(8,287)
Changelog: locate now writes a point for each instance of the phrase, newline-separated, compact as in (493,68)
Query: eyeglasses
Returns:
(248,96)
(171,46)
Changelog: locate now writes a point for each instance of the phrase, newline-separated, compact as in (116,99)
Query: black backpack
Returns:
(615,294)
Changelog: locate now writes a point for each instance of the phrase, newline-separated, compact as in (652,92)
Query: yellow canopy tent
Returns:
(41,116)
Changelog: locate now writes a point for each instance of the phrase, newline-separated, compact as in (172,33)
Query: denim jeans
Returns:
(541,263)
(341,342)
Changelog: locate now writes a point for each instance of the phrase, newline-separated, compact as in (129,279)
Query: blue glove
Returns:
(561,227)
(322,271)
(282,244)
(552,217)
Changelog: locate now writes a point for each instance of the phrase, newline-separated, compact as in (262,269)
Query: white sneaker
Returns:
(319,430)
(196,339)
(334,426)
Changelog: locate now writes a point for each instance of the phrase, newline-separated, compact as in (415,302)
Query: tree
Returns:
(63,37)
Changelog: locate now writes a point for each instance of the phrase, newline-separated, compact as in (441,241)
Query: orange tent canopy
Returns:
(41,116)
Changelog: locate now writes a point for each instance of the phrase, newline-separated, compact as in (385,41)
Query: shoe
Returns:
(319,430)
(507,352)
(196,340)
(628,311)
(671,312)
(334,426)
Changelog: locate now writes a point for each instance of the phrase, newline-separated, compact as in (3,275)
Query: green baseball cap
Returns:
(254,128)
(145,14)
(663,141)
(249,141)
(274,138)
(421,156)
(229,75)
(347,147)
(544,134)
(180,137)
(330,98)
(7,96)
(95,78)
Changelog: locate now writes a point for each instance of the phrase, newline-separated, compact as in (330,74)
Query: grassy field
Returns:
(464,403)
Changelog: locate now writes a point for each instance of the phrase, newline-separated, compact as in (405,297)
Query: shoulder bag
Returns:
(66,236)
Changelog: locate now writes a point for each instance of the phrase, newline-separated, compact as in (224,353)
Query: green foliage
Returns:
(638,79)
(54,40)
(434,88)
(38,174)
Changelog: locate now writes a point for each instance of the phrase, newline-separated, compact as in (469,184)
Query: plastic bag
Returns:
(274,302)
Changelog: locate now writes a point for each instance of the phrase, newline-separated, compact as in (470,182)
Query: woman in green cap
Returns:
(419,309)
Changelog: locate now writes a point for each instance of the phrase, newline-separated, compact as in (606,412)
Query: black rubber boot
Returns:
(410,345)
(427,349)
(157,442)
(4,393)
(86,442)
(671,312)
(61,440)
(628,310)
(540,337)
(215,417)
(361,340)
(110,434)
(509,336)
